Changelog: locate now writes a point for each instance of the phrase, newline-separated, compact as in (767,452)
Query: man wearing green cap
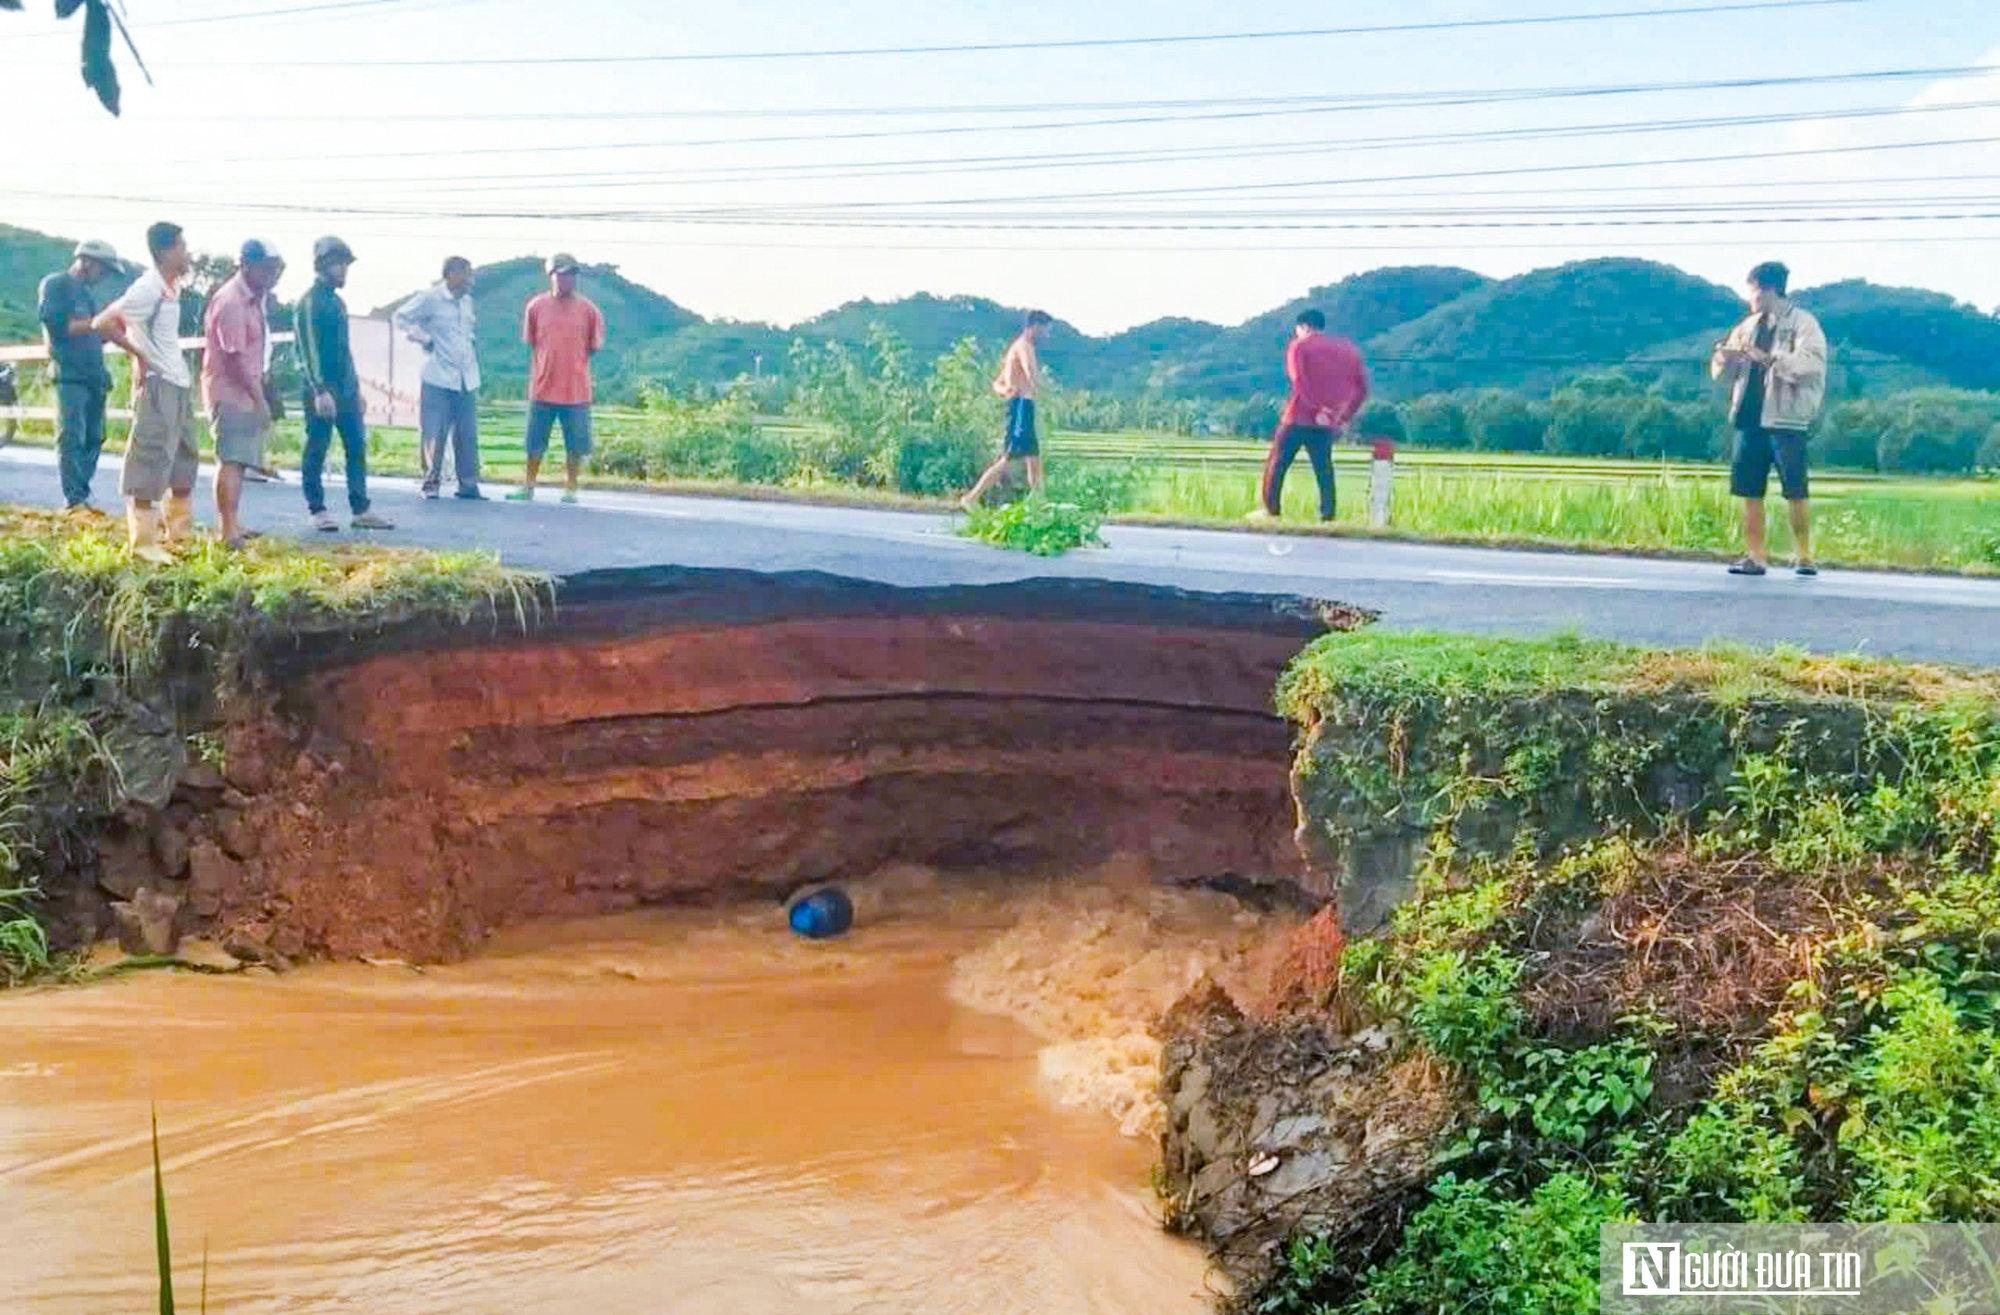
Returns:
(332,391)
(69,300)
(563,331)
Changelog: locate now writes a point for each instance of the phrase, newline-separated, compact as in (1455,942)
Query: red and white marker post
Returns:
(1381,481)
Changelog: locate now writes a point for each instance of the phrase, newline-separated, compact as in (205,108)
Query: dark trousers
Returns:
(1318,445)
(354,443)
(451,413)
(79,437)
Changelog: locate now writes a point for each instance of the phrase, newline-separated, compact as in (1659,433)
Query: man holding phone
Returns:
(1775,363)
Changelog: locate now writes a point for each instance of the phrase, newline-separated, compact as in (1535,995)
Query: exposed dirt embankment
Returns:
(674,736)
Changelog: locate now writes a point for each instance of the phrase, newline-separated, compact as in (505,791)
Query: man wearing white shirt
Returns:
(160,454)
(440,320)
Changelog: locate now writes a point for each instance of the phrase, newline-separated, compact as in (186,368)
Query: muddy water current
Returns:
(948,1110)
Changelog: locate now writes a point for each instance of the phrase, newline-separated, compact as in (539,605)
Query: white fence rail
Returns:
(390,365)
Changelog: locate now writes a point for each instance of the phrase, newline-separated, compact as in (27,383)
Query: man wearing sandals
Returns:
(1775,362)
(234,333)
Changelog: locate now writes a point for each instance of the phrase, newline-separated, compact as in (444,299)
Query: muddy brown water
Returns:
(669,1111)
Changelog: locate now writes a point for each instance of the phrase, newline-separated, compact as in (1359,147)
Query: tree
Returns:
(1437,420)
(1583,423)
(1937,430)
(1850,435)
(1508,422)
(99,18)
(1679,433)
(1379,420)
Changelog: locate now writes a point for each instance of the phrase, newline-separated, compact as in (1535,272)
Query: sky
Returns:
(743,160)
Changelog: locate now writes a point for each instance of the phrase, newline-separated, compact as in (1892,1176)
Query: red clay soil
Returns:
(409,803)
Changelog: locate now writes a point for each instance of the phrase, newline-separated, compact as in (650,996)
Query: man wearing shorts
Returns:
(332,392)
(160,454)
(234,334)
(563,330)
(67,302)
(1775,362)
(1329,384)
(1019,379)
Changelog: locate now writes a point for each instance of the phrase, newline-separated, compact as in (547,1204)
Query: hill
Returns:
(1528,332)
(1250,358)
(1927,329)
(932,325)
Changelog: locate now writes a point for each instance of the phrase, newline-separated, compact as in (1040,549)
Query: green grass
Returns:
(1591,504)
(1035,524)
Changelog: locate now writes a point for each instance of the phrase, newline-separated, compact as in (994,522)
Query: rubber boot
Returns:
(179,519)
(142,534)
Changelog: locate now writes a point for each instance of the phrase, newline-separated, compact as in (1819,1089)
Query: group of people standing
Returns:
(1774,361)
(562,328)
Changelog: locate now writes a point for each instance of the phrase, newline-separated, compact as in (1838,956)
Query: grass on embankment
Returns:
(83,627)
(1697,936)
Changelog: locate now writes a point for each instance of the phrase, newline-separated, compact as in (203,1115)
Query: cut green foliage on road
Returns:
(1035,524)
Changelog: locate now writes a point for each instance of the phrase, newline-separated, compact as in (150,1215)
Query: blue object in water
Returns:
(820,912)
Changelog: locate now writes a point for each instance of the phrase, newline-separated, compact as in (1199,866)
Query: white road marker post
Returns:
(1381,481)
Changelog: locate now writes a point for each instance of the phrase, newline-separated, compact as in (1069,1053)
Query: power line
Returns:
(1078,43)
(819,139)
(840,171)
(1305,102)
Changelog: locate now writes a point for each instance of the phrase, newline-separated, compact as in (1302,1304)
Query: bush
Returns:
(1989,451)
(717,440)
(876,423)
(1508,422)
(1438,421)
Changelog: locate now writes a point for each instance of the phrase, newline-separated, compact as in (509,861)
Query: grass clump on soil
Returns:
(1703,937)
(70,593)
(92,644)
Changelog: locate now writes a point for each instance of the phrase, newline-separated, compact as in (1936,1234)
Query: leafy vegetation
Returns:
(1035,524)
(1703,936)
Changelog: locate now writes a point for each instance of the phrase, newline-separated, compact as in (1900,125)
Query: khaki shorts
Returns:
(240,435)
(160,453)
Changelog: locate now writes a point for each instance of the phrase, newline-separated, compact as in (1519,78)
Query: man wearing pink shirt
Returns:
(563,330)
(234,333)
(1329,384)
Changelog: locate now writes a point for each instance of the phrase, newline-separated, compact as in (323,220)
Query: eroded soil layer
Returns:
(684,735)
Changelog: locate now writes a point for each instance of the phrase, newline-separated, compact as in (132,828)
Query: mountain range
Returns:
(1423,329)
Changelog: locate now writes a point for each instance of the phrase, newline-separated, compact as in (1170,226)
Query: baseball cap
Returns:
(330,249)
(563,262)
(95,249)
(257,249)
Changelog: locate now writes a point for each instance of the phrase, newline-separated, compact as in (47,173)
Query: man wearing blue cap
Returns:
(234,332)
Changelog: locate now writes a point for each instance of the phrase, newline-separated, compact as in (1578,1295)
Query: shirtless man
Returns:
(1020,376)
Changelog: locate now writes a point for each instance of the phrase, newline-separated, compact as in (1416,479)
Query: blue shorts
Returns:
(575,418)
(1021,440)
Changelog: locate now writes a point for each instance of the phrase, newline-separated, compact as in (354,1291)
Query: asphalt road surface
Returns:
(1938,618)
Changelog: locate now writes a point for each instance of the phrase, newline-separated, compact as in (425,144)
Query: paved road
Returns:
(1466,589)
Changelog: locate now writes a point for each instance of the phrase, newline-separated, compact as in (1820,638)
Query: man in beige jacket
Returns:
(1775,362)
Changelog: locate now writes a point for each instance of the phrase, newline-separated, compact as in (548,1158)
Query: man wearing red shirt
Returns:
(1328,387)
(563,330)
